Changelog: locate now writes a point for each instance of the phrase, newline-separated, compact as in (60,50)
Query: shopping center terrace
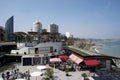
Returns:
(73,62)
(19,72)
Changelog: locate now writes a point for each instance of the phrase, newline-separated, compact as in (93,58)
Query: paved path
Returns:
(58,74)
(61,75)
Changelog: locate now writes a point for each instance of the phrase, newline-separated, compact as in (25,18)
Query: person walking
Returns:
(3,76)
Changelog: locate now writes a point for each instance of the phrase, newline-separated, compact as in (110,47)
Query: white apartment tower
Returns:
(37,26)
(54,28)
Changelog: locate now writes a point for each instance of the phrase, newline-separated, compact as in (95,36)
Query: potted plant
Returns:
(86,79)
(84,75)
(67,70)
(49,73)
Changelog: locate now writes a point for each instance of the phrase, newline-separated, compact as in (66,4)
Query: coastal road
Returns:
(85,51)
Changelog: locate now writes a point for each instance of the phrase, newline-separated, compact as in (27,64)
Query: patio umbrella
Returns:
(63,57)
(35,74)
(55,60)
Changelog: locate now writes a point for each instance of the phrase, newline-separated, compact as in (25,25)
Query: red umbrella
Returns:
(91,62)
(63,57)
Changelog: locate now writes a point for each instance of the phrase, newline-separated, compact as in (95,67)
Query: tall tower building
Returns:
(9,28)
(54,28)
(37,27)
(2,33)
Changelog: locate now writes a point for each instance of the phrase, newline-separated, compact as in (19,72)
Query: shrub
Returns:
(66,70)
(86,79)
(84,75)
(61,68)
(51,64)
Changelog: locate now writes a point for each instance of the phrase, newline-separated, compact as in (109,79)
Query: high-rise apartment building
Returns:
(37,27)
(54,28)
(9,28)
(2,32)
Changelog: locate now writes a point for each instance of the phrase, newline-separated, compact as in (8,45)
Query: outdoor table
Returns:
(41,67)
(1,78)
(37,73)
(20,79)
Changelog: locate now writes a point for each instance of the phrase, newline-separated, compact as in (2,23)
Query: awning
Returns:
(75,58)
(63,57)
(55,60)
(91,62)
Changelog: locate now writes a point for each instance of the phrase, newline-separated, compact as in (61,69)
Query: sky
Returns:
(82,18)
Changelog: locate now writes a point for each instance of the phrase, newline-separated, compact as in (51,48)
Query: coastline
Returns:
(95,49)
(110,48)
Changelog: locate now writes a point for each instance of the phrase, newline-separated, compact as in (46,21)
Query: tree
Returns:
(48,74)
(70,41)
(84,75)
(67,70)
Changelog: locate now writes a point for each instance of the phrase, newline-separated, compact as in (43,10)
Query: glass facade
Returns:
(54,28)
(2,32)
(9,28)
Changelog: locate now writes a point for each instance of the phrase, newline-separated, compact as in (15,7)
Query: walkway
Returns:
(61,75)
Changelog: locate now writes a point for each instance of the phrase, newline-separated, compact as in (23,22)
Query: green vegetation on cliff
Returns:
(77,51)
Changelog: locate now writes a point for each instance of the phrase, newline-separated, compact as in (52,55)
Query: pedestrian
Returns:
(3,76)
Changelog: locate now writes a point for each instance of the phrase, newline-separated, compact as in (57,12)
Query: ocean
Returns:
(109,47)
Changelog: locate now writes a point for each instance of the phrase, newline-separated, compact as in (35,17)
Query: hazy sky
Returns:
(82,18)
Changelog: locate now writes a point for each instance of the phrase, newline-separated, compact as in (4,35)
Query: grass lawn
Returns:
(77,51)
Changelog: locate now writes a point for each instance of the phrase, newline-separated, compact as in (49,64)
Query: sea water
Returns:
(109,47)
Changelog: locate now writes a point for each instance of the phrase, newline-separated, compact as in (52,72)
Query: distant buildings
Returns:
(54,28)
(37,27)
(41,35)
(44,30)
(9,28)
(36,35)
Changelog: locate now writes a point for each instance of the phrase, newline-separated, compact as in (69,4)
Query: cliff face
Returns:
(82,43)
